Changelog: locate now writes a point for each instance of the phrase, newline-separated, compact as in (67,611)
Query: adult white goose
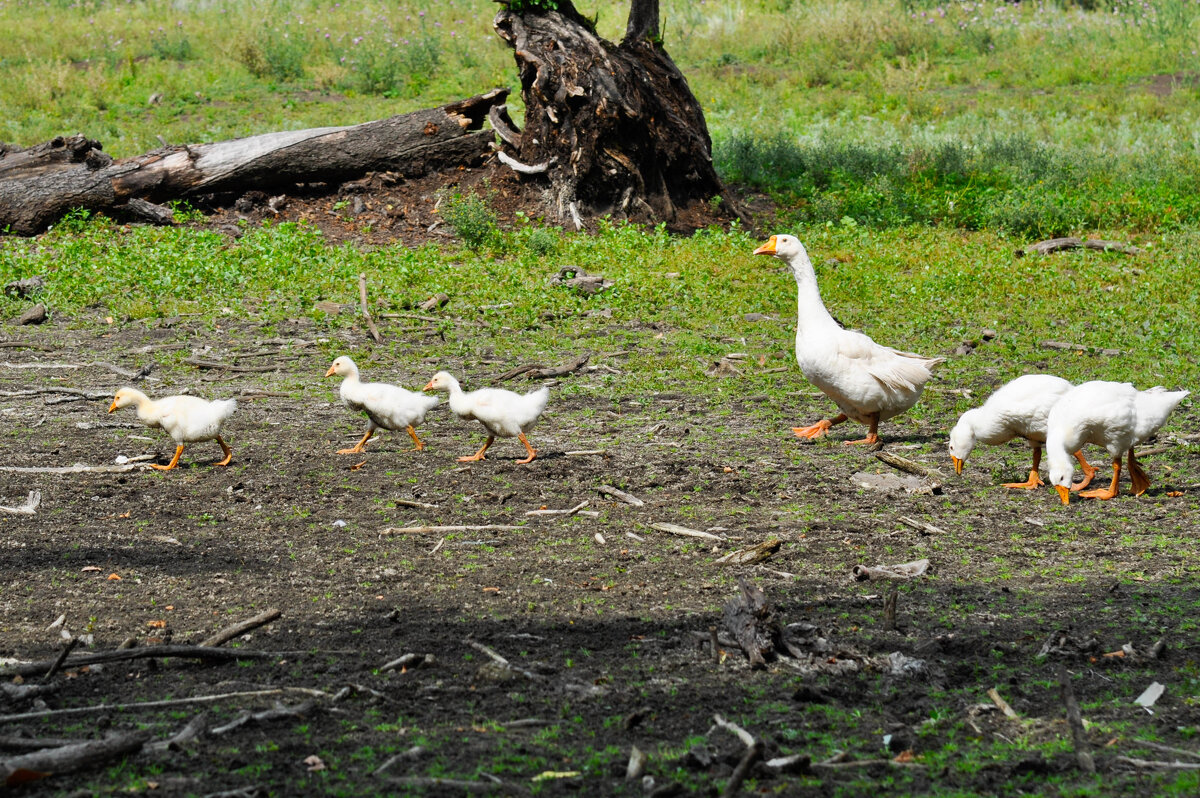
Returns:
(1017,410)
(502,413)
(1114,415)
(187,419)
(387,406)
(868,382)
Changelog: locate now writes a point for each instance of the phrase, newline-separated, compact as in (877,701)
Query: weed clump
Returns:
(271,54)
(472,218)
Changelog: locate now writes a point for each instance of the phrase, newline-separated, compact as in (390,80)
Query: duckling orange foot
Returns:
(228,452)
(1089,471)
(413,433)
(174,461)
(1110,491)
(359,447)
(871,439)
(475,458)
(528,448)
(813,431)
(872,432)
(1034,481)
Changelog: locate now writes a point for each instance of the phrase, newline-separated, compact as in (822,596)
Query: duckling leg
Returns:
(416,440)
(1102,493)
(1141,482)
(820,428)
(174,460)
(228,452)
(1034,481)
(474,458)
(872,432)
(358,447)
(528,448)
(1088,472)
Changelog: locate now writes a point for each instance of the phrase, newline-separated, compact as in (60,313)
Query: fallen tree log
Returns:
(41,184)
(69,758)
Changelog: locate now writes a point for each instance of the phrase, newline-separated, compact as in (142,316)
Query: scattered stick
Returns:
(908,466)
(751,555)
(13,743)
(754,749)
(616,493)
(908,570)
(863,763)
(638,759)
(279,712)
(1157,747)
(1071,242)
(28,508)
(524,169)
(536,371)
(746,737)
(585,452)
(17,693)
(1069,347)
(675,529)
(714,645)
(1004,706)
(439,545)
(1083,752)
(28,345)
(1157,764)
(69,758)
(200,363)
(751,619)
(889,609)
(366,312)
(573,511)
(194,728)
(89,395)
(501,661)
(170,702)
(238,629)
(148,652)
(404,756)
(444,530)
(408,662)
(75,469)
(414,503)
(921,525)
(60,659)
(425,782)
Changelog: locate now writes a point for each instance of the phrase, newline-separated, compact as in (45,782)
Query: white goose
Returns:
(503,414)
(387,406)
(187,419)
(868,382)
(1114,415)
(1017,410)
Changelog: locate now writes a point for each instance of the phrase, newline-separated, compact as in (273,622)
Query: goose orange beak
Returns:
(958,464)
(330,372)
(1064,493)
(767,248)
(113,406)
(428,386)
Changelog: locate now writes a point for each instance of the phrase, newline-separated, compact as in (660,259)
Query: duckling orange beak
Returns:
(113,406)
(329,373)
(958,464)
(428,387)
(767,248)
(1064,493)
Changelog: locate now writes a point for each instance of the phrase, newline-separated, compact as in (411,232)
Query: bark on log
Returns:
(617,124)
(751,620)
(40,764)
(39,185)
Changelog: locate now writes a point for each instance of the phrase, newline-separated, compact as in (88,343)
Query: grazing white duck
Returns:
(387,406)
(187,419)
(868,382)
(1017,410)
(1114,415)
(503,414)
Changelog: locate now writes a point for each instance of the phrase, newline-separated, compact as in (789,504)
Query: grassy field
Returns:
(913,146)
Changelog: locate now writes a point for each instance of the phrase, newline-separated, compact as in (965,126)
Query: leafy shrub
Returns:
(171,46)
(271,54)
(472,218)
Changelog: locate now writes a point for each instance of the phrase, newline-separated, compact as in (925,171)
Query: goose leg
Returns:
(228,452)
(1088,472)
(174,460)
(474,458)
(416,440)
(528,448)
(1141,482)
(1034,481)
(820,428)
(872,432)
(358,447)
(1102,493)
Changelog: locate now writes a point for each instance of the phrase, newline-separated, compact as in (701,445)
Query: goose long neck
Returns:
(145,409)
(810,309)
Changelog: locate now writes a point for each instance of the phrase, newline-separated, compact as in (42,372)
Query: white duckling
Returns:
(1114,415)
(187,419)
(1017,410)
(868,382)
(503,414)
(387,406)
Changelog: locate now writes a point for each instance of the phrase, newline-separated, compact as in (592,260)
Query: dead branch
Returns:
(14,743)
(18,693)
(91,395)
(675,529)
(443,530)
(751,619)
(238,629)
(908,570)
(1079,348)
(170,702)
(426,782)
(921,525)
(501,661)
(586,453)
(128,374)
(1149,764)
(122,655)
(751,555)
(1083,752)
(366,311)
(908,466)
(404,756)
(60,659)
(864,763)
(194,728)
(576,510)
(28,508)
(1164,748)
(746,737)
(28,345)
(1003,705)
(628,498)
(408,662)
(279,712)
(524,169)
(201,363)
(414,503)
(76,469)
(69,758)
(536,371)
(1070,242)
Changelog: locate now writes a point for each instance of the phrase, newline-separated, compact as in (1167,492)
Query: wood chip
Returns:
(675,529)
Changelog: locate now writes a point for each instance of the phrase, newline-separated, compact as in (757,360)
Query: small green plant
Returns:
(269,53)
(472,218)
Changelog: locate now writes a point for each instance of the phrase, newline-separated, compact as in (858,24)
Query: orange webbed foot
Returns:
(1033,482)
(813,431)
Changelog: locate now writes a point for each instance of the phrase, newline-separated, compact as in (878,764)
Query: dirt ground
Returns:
(605,620)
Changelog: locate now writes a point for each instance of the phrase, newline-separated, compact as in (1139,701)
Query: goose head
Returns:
(124,398)
(783,246)
(442,381)
(1061,471)
(342,367)
(962,441)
